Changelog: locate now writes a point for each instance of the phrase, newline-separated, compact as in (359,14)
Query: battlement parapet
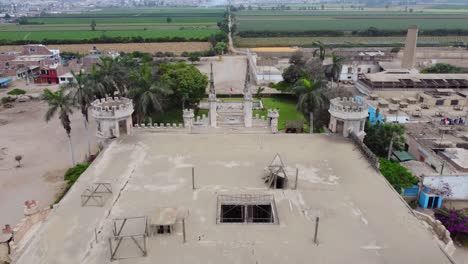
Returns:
(112,107)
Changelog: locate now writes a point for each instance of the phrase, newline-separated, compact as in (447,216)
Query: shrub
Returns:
(16,92)
(456,222)
(398,176)
(7,99)
(73,173)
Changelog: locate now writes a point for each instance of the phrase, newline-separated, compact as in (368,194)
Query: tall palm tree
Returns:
(336,66)
(320,51)
(311,98)
(112,76)
(60,102)
(83,93)
(147,94)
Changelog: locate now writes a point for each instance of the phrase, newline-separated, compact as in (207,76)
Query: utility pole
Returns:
(316,230)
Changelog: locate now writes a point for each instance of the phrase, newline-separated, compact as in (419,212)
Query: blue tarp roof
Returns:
(5,81)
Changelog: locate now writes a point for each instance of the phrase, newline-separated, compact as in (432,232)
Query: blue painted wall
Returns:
(424,199)
(411,191)
(372,112)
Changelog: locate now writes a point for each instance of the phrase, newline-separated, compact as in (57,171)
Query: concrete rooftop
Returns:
(362,220)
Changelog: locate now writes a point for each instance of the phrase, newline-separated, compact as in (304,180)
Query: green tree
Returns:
(336,66)
(292,74)
(112,75)
(320,51)
(398,176)
(93,25)
(194,56)
(7,17)
(442,68)
(83,93)
(187,83)
(169,20)
(379,136)
(297,58)
(61,102)
(310,99)
(147,93)
(220,47)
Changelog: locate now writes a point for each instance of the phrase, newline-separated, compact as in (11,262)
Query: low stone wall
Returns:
(160,126)
(21,230)
(439,231)
(370,156)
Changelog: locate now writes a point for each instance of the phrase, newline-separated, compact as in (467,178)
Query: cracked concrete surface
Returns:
(361,219)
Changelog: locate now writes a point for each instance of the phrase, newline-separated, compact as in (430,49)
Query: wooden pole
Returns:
(193,178)
(316,229)
(183,229)
(297,174)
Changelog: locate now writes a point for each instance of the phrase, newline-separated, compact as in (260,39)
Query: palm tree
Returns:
(83,93)
(112,76)
(311,98)
(336,66)
(60,102)
(147,93)
(320,51)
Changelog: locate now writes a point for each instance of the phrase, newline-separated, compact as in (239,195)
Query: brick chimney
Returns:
(409,54)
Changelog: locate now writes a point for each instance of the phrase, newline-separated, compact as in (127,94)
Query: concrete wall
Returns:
(357,69)
(458,185)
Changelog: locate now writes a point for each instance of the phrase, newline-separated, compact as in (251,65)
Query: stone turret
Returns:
(113,116)
(189,117)
(273,115)
(212,100)
(348,115)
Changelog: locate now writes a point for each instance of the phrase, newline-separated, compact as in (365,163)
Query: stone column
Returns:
(273,115)
(188,116)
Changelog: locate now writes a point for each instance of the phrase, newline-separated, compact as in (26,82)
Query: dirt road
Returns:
(45,152)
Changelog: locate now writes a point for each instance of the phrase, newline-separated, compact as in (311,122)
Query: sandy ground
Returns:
(229,74)
(176,47)
(45,150)
(362,220)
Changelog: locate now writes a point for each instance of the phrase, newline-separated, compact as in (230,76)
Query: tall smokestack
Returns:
(409,53)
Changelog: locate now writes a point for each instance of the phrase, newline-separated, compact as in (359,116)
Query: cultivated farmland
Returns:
(301,27)
(163,24)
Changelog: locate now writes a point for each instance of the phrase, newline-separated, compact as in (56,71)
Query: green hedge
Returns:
(16,91)
(398,176)
(73,173)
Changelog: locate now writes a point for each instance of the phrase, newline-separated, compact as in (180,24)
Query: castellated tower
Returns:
(347,115)
(113,117)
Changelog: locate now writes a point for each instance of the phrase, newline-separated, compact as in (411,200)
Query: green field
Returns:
(332,26)
(348,20)
(284,23)
(151,23)
(340,41)
(88,34)
(287,109)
